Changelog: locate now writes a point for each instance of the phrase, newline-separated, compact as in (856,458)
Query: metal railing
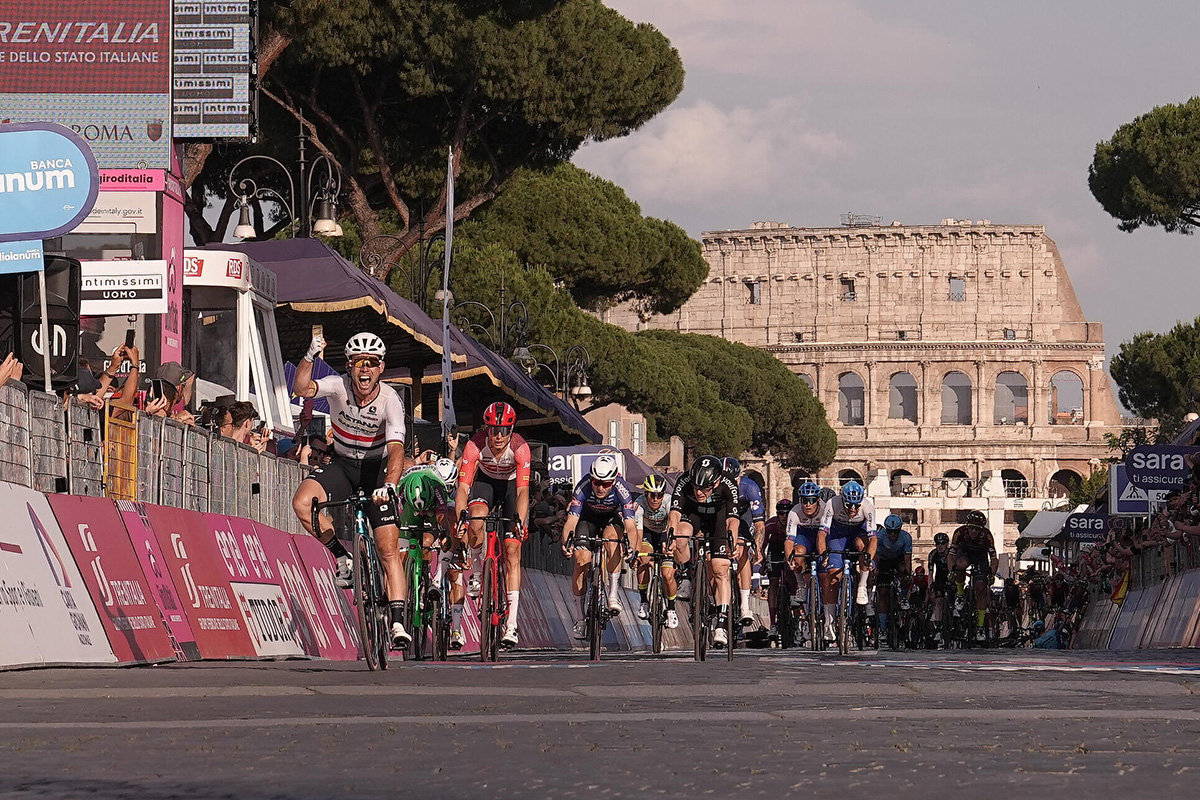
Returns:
(15,459)
(85,454)
(47,442)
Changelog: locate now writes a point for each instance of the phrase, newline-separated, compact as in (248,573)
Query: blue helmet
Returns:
(853,493)
(809,490)
(893,522)
(731,466)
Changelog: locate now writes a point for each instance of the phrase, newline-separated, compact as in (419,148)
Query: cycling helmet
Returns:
(783,506)
(654,485)
(604,468)
(809,491)
(446,470)
(941,538)
(731,466)
(419,490)
(365,344)
(919,569)
(977,518)
(893,523)
(853,493)
(706,472)
(499,415)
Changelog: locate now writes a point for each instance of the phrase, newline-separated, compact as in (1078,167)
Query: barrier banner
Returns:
(46,614)
(202,581)
(101,546)
(334,602)
(154,569)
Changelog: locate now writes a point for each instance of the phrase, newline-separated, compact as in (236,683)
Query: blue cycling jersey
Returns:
(750,499)
(886,548)
(618,500)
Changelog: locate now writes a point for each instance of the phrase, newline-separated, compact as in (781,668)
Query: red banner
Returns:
(202,581)
(334,602)
(98,540)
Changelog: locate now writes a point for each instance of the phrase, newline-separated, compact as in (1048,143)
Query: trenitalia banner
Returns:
(101,68)
(46,613)
(48,180)
(111,571)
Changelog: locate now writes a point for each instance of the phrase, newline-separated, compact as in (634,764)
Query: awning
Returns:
(1046,524)
(317,286)
(1034,554)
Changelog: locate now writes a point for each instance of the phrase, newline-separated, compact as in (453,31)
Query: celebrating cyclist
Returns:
(424,493)
(847,524)
(973,545)
(751,517)
(367,418)
(894,556)
(780,581)
(650,517)
(705,502)
(495,474)
(803,522)
(600,506)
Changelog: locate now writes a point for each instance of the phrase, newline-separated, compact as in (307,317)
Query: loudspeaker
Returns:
(21,321)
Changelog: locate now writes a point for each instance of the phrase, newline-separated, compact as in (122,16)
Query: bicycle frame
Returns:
(597,614)
(493,604)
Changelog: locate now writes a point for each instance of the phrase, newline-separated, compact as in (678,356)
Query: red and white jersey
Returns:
(511,464)
(362,432)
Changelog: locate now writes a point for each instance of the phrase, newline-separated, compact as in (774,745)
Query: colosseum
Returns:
(953,360)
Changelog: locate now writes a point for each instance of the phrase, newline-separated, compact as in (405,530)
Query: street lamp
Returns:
(507,333)
(324,197)
(420,270)
(569,373)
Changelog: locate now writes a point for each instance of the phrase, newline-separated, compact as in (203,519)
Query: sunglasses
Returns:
(654,495)
(809,502)
(853,505)
(602,484)
(366,361)
(500,430)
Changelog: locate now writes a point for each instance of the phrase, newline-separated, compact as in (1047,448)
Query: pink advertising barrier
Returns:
(334,603)
(103,551)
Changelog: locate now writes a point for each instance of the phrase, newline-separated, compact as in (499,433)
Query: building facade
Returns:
(953,360)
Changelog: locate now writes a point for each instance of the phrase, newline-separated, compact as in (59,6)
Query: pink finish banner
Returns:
(101,546)
(202,580)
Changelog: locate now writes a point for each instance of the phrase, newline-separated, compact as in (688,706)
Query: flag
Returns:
(1121,590)
(448,419)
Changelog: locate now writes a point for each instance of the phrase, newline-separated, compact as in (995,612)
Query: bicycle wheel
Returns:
(417,615)
(658,610)
(847,598)
(487,612)
(596,607)
(439,618)
(816,636)
(731,618)
(370,631)
(893,629)
(701,592)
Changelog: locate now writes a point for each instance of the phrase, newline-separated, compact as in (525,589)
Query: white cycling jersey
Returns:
(797,520)
(362,432)
(648,519)
(835,513)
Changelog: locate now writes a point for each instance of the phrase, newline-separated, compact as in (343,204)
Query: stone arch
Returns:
(957,398)
(1015,483)
(1066,398)
(902,397)
(812,385)
(847,475)
(1063,482)
(851,399)
(1011,405)
(956,483)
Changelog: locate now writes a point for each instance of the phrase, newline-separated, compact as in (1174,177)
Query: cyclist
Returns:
(650,518)
(802,524)
(705,502)
(494,473)
(367,418)
(918,595)
(847,524)
(600,505)
(752,517)
(894,548)
(974,545)
(781,582)
(424,493)
(939,581)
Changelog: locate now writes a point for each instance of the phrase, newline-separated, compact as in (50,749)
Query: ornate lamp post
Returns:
(420,270)
(569,373)
(506,332)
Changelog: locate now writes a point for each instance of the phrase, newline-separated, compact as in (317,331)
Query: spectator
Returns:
(243,418)
(183,381)
(10,369)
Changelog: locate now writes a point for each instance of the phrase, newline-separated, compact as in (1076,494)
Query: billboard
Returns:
(215,84)
(48,181)
(123,287)
(102,69)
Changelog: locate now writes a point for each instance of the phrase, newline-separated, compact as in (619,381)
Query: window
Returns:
(638,445)
(614,433)
(958,290)
(1015,484)
(1010,334)
(848,293)
(902,397)
(812,387)
(798,336)
(1012,399)
(902,336)
(753,292)
(850,399)
(1066,398)
(956,399)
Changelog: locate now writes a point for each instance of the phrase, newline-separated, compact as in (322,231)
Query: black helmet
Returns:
(706,472)
(941,538)
(783,506)
(977,518)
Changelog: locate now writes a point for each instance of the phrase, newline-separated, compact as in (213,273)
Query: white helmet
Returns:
(604,468)
(446,470)
(365,343)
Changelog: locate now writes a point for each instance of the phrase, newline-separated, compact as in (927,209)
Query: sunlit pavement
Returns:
(773,723)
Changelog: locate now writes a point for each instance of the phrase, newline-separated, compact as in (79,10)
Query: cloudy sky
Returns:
(800,110)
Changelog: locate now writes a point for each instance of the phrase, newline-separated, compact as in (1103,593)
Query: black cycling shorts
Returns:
(592,526)
(887,567)
(720,544)
(486,490)
(342,478)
